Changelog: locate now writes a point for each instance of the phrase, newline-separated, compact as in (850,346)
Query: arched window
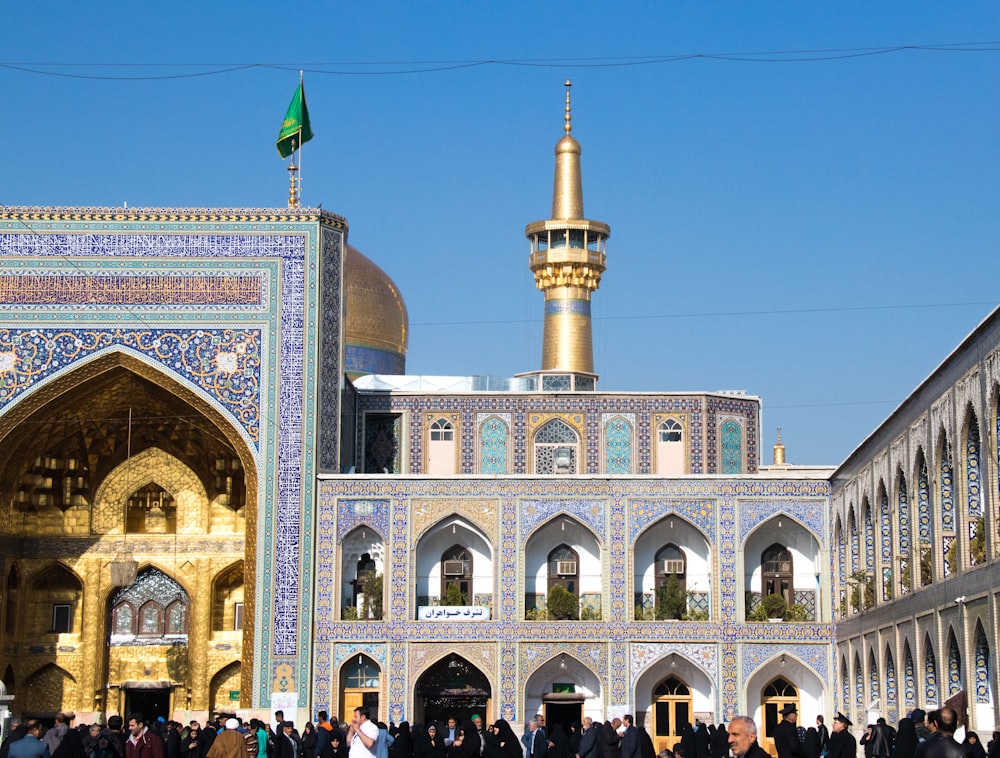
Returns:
(151,619)
(984,692)
(556,448)
(153,606)
(776,572)
(123,620)
(441,448)
(670,448)
(873,683)
(151,510)
(456,576)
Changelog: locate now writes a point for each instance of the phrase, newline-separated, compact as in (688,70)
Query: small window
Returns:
(62,618)
(670,431)
(151,620)
(238,617)
(442,430)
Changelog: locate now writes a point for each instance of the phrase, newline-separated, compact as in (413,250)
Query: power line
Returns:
(410,67)
(724,314)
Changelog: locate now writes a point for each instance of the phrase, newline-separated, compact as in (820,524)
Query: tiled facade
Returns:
(915,529)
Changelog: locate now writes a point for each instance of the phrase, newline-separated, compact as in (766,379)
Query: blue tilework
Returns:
(200,357)
(645,513)
(815,657)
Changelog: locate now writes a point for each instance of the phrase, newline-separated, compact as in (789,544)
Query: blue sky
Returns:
(821,233)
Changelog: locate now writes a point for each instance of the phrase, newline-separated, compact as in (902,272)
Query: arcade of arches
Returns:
(114,461)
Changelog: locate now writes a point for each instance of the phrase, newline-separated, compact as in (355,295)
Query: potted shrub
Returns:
(774,606)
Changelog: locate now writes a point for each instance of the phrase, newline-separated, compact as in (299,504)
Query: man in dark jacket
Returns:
(842,743)
(142,743)
(743,738)
(941,743)
(588,739)
(630,738)
(786,737)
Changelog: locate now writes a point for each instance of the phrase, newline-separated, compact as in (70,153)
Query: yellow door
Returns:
(352,699)
(671,711)
(776,696)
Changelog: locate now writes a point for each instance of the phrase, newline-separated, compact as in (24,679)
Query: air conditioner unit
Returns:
(565,568)
(454,568)
(564,458)
(672,566)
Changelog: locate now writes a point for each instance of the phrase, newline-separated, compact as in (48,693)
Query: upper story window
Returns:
(556,448)
(670,431)
(670,459)
(442,430)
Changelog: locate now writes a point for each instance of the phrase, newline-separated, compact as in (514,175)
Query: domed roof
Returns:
(377,328)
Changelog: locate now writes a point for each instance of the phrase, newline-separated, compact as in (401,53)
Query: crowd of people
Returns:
(919,735)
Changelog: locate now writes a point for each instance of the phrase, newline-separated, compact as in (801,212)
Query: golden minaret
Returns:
(567,259)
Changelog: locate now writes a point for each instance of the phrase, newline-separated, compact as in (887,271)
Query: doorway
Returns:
(671,711)
(776,696)
(147,702)
(563,711)
(452,688)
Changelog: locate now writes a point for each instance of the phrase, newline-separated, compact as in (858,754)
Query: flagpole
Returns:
(302,89)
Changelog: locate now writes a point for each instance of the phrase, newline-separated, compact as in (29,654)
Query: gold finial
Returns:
(779,451)
(568,118)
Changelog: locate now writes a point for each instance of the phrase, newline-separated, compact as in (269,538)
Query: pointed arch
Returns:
(975,547)
(854,537)
(891,690)
(845,684)
(618,444)
(556,447)
(984,689)
(903,531)
(224,681)
(885,543)
(54,601)
(731,447)
(227,599)
(909,677)
(930,674)
(859,683)
(46,689)
(868,532)
(946,504)
(873,678)
(955,684)
(925,529)
(360,685)
(494,434)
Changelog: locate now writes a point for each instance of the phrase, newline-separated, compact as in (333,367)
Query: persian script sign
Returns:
(131,289)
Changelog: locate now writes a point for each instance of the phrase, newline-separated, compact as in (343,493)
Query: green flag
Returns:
(295,129)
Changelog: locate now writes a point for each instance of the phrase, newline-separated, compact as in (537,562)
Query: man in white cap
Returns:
(230,743)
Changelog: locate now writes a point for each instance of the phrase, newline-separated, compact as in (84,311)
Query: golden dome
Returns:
(377,328)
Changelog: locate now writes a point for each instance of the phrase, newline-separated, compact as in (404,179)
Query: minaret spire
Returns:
(568,257)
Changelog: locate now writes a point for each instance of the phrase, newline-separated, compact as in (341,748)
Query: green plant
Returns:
(796,612)
(372,591)
(671,600)
(697,615)
(453,595)
(562,604)
(350,613)
(590,613)
(774,605)
(535,614)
